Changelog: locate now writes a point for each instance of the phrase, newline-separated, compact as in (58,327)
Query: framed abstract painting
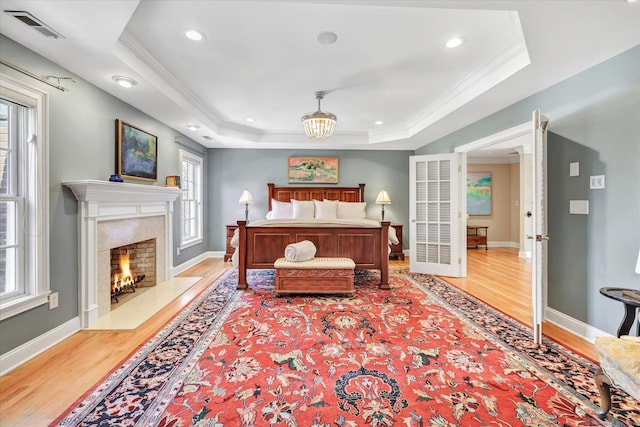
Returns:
(313,170)
(479,193)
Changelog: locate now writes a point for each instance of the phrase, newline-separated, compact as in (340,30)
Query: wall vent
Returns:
(33,22)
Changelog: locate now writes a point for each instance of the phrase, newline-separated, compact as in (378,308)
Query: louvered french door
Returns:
(434,222)
(540,221)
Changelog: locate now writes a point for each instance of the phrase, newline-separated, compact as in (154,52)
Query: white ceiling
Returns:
(261,59)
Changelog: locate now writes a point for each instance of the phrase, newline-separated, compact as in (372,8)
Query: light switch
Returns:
(596,182)
(574,169)
(579,207)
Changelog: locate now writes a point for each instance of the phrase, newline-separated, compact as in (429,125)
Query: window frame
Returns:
(35,161)
(198,162)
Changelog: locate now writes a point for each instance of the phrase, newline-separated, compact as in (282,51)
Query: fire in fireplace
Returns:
(132,266)
(124,280)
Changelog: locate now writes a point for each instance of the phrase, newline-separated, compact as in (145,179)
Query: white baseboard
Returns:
(576,327)
(503,244)
(174,271)
(19,355)
(524,254)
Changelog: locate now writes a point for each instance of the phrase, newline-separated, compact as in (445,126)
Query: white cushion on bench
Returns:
(316,263)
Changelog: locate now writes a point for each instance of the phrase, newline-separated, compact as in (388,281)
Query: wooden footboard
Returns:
(260,247)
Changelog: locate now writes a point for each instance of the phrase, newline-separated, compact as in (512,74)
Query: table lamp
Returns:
(383,199)
(246,199)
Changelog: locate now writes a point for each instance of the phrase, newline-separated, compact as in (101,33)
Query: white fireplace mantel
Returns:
(116,192)
(106,201)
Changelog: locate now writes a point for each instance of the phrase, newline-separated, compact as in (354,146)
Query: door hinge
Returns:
(459,168)
(537,237)
(459,260)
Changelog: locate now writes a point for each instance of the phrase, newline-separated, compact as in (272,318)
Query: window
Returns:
(11,204)
(192,210)
(24,253)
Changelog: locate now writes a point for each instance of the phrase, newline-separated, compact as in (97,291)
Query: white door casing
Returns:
(536,204)
(515,133)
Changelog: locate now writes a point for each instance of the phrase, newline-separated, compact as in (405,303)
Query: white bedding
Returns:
(311,222)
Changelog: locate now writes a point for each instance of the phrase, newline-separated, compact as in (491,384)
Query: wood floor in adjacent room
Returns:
(37,392)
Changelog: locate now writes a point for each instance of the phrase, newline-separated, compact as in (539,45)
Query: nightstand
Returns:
(230,249)
(396,250)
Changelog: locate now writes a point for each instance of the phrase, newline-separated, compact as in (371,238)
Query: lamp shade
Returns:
(246,197)
(638,264)
(383,198)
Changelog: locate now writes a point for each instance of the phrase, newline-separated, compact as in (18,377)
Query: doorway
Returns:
(505,158)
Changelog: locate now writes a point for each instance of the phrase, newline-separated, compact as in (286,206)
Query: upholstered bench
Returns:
(619,366)
(316,276)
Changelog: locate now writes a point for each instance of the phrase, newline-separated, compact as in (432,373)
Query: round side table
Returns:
(631,300)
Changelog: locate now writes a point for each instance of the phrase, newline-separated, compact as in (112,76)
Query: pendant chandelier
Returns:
(319,125)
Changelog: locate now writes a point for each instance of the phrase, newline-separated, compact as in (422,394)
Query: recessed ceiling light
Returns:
(194,35)
(327,37)
(193,127)
(207,137)
(631,1)
(124,81)
(249,120)
(379,122)
(454,42)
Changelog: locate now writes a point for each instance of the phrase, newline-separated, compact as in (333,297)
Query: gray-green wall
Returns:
(594,120)
(81,146)
(234,170)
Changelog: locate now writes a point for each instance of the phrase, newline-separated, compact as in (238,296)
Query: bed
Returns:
(261,243)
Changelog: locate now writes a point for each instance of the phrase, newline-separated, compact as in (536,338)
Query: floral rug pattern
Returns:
(420,354)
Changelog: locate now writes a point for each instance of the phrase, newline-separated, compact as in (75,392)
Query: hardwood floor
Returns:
(498,277)
(38,391)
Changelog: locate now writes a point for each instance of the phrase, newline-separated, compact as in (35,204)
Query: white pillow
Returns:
(393,237)
(302,209)
(281,210)
(352,210)
(327,209)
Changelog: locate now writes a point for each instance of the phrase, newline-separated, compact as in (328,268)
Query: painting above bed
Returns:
(310,170)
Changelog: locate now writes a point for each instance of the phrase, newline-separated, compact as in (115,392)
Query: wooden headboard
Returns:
(344,194)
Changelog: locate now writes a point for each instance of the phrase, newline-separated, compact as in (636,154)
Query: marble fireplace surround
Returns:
(114,214)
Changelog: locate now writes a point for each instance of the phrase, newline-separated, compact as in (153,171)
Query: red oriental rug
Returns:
(421,354)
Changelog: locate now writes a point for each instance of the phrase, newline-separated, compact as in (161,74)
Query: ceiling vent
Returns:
(35,23)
